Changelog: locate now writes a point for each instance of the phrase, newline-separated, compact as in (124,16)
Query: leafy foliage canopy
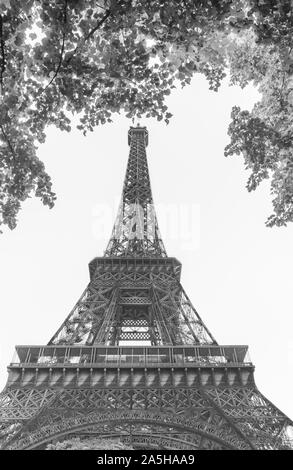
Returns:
(97,58)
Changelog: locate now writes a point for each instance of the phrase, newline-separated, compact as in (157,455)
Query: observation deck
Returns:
(130,356)
(129,367)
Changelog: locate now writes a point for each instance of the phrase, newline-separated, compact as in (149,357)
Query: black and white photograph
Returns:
(146,230)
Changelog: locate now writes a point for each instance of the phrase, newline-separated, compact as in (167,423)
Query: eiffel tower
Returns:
(133,360)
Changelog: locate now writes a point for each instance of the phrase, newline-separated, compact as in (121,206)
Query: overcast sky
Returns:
(237,272)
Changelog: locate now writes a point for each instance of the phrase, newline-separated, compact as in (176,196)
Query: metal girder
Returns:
(233,417)
(136,231)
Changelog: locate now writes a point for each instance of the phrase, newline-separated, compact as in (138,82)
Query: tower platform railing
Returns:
(130,356)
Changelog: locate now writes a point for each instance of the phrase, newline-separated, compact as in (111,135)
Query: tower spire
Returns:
(136,232)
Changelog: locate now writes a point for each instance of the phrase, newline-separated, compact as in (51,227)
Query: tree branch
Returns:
(62,48)
(8,142)
(86,38)
(90,34)
(3,61)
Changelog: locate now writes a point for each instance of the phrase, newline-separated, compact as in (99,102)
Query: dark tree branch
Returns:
(62,48)
(90,34)
(3,60)
(8,142)
(86,38)
(100,6)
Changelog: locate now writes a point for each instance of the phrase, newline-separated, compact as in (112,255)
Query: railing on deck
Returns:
(130,355)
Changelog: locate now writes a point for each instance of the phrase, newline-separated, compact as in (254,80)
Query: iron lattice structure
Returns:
(133,359)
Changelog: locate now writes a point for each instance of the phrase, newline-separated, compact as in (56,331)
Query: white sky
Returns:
(237,272)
